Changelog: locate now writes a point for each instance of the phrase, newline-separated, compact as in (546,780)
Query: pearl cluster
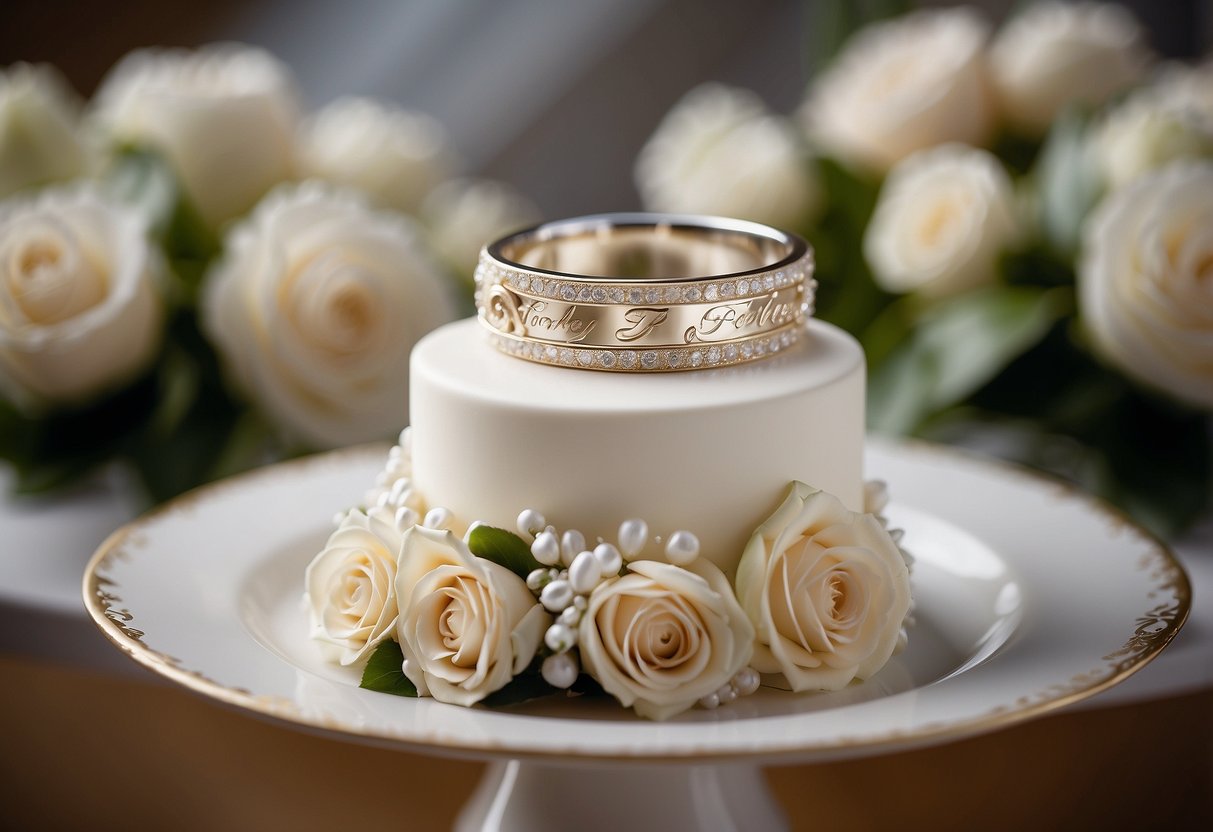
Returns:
(745,682)
(570,572)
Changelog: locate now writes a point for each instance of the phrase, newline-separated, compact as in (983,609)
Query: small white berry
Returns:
(556,595)
(571,616)
(437,518)
(633,534)
(405,518)
(584,573)
(572,542)
(560,637)
(546,549)
(399,489)
(530,522)
(538,579)
(559,670)
(580,603)
(682,548)
(609,559)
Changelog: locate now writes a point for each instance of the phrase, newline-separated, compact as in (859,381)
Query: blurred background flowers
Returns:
(223,256)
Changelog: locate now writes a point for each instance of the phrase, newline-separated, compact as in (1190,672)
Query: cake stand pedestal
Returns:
(516,795)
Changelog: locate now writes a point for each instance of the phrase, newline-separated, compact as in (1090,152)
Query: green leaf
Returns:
(383,673)
(833,22)
(956,347)
(524,687)
(1067,181)
(504,549)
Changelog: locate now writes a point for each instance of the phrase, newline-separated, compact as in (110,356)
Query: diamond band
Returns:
(645,292)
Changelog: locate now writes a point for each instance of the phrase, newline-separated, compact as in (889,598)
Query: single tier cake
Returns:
(709,451)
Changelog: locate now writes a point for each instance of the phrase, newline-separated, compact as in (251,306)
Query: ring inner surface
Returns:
(648,253)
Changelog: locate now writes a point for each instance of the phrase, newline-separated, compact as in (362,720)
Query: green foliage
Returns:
(504,549)
(1067,182)
(953,348)
(832,22)
(524,687)
(383,671)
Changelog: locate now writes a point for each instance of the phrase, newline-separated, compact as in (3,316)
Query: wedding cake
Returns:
(638,470)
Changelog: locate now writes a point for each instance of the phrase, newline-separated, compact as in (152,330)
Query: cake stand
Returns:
(1030,596)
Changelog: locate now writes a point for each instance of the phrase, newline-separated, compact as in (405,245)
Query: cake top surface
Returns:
(458,357)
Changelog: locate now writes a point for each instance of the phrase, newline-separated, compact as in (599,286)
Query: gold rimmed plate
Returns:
(1030,596)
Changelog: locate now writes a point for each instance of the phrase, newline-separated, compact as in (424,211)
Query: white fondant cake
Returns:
(710,451)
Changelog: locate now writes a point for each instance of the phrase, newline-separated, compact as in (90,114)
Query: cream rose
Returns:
(40,140)
(315,308)
(393,155)
(827,590)
(943,217)
(351,585)
(720,151)
(902,86)
(1146,280)
(661,637)
(467,626)
(224,115)
(1056,54)
(79,309)
(1168,120)
(463,215)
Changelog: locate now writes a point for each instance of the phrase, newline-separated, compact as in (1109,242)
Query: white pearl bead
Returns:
(556,595)
(747,681)
(571,616)
(406,439)
(546,549)
(609,559)
(437,518)
(538,579)
(530,522)
(398,490)
(572,542)
(559,670)
(560,637)
(584,573)
(405,518)
(580,603)
(726,694)
(682,548)
(710,701)
(633,534)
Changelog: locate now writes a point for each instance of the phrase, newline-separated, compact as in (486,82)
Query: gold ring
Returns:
(645,292)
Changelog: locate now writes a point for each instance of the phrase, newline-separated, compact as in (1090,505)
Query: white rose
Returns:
(393,155)
(1055,54)
(827,590)
(224,116)
(901,86)
(39,129)
(1168,120)
(351,585)
(720,151)
(661,637)
(943,217)
(79,309)
(315,307)
(464,215)
(1146,280)
(467,625)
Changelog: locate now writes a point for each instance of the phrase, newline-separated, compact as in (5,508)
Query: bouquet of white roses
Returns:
(196,277)
(1018,225)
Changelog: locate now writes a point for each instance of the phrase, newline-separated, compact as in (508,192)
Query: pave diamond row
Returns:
(585,291)
(692,357)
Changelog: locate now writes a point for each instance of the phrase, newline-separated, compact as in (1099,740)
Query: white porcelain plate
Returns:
(1029,596)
